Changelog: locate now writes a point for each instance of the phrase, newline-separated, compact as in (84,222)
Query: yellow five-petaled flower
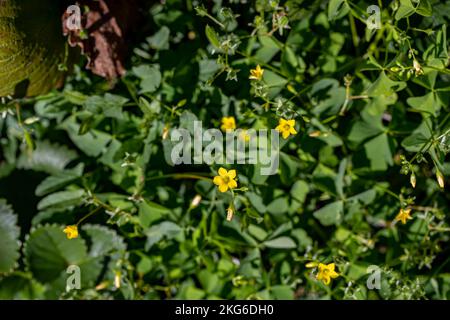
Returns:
(225,180)
(71,232)
(228,123)
(257,73)
(403,215)
(286,127)
(326,273)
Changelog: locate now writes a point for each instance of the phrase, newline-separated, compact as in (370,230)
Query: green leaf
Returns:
(278,206)
(330,214)
(405,10)
(9,233)
(299,191)
(275,82)
(61,199)
(110,105)
(92,143)
(210,282)
(385,86)
(212,36)
(58,181)
(48,252)
(160,40)
(418,138)
(282,292)
(104,241)
(303,240)
(337,9)
(47,157)
(427,103)
(378,151)
(150,77)
(32,47)
(269,48)
(339,181)
(408,8)
(156,233)
(149,212)
(280,243)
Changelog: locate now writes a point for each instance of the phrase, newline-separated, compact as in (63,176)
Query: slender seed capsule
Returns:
(440,178)
(413,180)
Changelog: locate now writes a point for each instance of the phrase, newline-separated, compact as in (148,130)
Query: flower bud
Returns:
(230,214)
(196,201)
(165,134)
(440,178)
(413,180)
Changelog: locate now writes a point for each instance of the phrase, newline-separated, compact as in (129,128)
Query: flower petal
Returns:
(218,180)
(223,188)
(223,172)
(232,174)
(232,184)
(291,122)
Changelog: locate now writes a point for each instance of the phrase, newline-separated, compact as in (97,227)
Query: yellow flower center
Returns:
(226,179)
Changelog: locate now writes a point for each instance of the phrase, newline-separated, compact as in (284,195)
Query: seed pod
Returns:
(412,179)
(440,178)
(230,214)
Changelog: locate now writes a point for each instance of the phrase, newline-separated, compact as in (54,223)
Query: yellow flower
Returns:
(228,123)
(403,215)
(257,73)
(225,180)
(326,273)
(286,127)
(71,232)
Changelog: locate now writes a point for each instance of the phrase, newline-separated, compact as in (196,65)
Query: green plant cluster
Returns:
(371,108)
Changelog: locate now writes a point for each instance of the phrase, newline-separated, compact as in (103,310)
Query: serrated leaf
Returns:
(9,235)
(32,47)
(48,252)
(109,105)
(92,143)
(61,199)
(104,240)
(47,157)
(58,181)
